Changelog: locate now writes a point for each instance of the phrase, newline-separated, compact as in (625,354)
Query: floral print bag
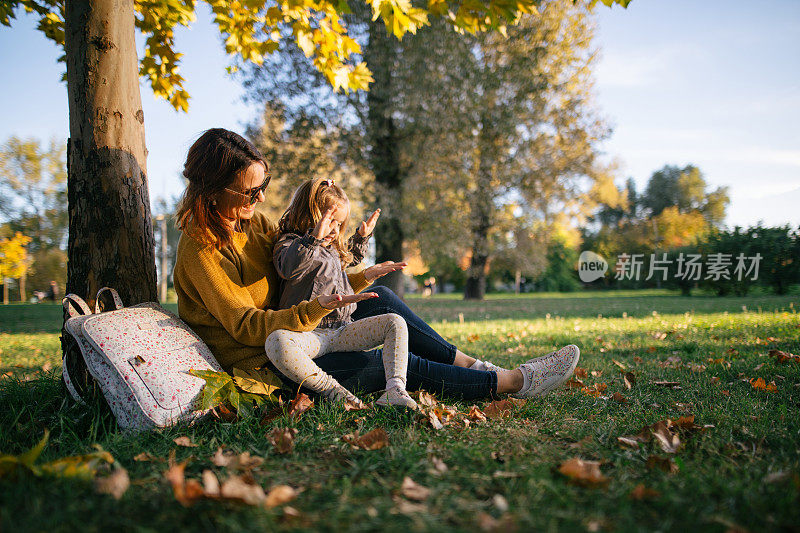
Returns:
(139,357)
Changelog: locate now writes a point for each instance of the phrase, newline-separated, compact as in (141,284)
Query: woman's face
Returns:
(234,202)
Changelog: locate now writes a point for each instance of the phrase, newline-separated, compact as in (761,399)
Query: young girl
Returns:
(310,257)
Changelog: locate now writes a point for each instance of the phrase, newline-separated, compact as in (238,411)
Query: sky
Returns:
(714,83)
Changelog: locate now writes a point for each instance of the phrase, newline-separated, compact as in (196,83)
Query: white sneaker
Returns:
(544,374)
(492,367)
(396,396)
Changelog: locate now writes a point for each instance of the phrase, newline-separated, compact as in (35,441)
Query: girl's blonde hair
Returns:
(309,203)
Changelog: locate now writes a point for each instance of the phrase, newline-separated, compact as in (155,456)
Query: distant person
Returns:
(53,292)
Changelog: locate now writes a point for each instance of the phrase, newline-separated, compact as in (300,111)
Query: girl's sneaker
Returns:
(396,396)
(543,374)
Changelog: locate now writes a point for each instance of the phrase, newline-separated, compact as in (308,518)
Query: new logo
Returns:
(591,266)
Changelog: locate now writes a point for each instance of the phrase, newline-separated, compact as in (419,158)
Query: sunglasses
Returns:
(252,194)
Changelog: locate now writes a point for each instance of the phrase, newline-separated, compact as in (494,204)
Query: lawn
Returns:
(742,473)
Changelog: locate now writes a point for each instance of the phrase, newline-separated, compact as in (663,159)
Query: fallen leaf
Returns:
(282,439)
(185,441)
(210,484)
(581,372)
(595,390)
(629,380)
(406,507)
(243,461)
(573,383)
(628,441)
(299,405)
(115,484)
(651,349)
(426,399)
(758,367)
(760,384)
(585,473)
(414,491)
(619,397)
(620,365)
(640,492)
(432,418)
(784,357)
(185,493)
(637,359)
(372,440)
(475,414)
(662,463)
(350,405)
(498,408)
(238,489)
(279,495)
(144,456)
(224,414)
(597,373)
(669,442)
(439,466)
(670,384)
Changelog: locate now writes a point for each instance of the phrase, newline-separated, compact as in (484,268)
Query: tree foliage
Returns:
(252,29)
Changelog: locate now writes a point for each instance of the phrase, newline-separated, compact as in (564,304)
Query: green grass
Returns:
(720,484)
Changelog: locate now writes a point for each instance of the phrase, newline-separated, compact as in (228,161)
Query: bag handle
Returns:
(75,306)
(114,294)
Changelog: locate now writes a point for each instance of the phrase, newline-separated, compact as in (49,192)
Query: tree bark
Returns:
(22,287)
(482,219)
(110,232)
(383,153)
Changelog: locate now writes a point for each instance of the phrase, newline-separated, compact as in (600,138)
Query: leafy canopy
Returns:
(252,29)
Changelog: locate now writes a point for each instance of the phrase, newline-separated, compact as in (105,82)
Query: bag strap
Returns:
(114,294)
(75,306)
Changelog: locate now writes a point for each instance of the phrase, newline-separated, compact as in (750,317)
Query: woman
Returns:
(227,285)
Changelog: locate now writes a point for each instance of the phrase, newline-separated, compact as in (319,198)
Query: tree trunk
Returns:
(22,283)
(5,291)
(482,210)
(383,154)
(110,232)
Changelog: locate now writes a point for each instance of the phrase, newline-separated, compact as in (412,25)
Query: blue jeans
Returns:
(430,363)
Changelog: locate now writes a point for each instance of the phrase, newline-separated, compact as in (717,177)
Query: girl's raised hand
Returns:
(368,226)
(381,269)
(323,227)
(335,301)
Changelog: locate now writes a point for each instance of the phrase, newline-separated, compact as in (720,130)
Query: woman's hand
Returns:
(368,226)
(381,269)
(323,227)
(336,301)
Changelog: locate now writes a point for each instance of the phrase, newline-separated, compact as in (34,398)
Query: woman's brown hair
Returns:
(213,163)
(309,203)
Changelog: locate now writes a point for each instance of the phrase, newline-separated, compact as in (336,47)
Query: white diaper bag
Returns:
(139,357)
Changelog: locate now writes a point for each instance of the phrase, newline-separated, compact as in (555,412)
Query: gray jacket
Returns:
(308,269)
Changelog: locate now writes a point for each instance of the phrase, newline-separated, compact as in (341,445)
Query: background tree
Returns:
(33,201)
(14,263)
(106,154)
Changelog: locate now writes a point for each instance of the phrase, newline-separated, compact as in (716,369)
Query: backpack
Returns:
(139,358)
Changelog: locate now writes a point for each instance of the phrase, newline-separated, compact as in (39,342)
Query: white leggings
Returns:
(292,352)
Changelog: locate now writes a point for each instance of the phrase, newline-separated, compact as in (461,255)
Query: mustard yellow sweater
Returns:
(227,296)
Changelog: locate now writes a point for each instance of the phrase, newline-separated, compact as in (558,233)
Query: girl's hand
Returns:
(381,269)
(336,301)
(368,225)
(323,227)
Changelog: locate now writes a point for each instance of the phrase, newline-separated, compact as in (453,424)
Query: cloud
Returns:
(641,67)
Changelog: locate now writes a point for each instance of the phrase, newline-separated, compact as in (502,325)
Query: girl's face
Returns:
(234,202)
(337,220)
